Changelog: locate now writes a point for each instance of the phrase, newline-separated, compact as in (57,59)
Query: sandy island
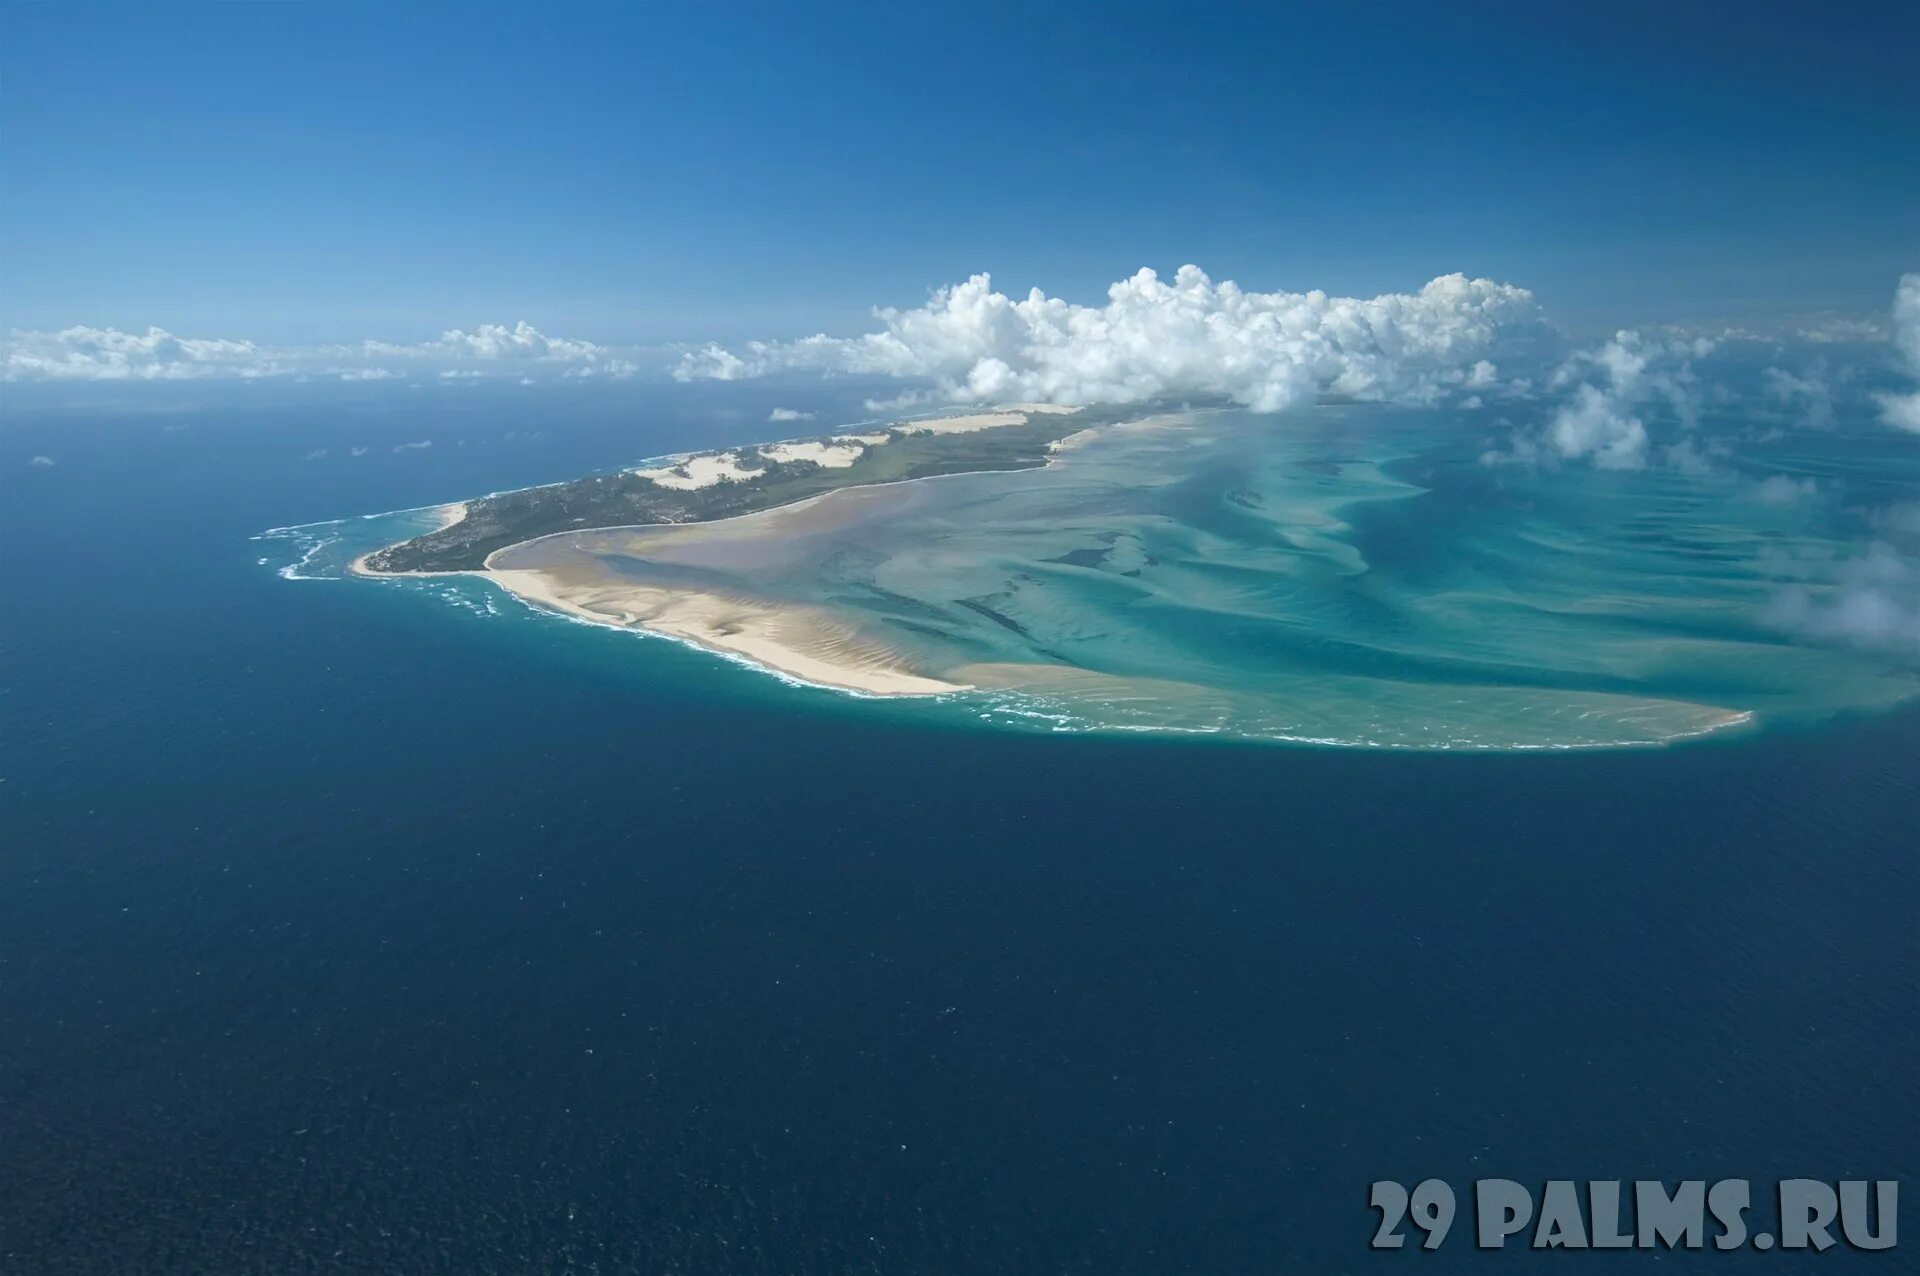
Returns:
(807,644)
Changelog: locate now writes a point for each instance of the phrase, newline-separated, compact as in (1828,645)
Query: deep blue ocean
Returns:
(345,930)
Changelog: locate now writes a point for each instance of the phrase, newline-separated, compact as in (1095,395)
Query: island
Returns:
(703,487)
(1347,576)
(587,548)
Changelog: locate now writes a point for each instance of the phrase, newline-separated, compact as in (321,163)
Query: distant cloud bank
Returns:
(108,354)
(1626,403)
(1155,338)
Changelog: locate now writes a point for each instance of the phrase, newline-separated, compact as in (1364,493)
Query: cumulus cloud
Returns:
(1875,602)
(1900,519)
(789,414)
(1154,338)
(1903,410)
(1779,489)
(1810,395)
(422,445)
(43,462)
(1843,328)
(1608,389)
(108,354)
(522,341)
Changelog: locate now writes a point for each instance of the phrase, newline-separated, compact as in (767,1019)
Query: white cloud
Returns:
(1903,410)
(1843,328)
(522,341)
(1154,338)
(1900,519)
(1778,489)
(1810,394)
(1600,425)
(43,462)
(1611,385)
(1602,421)
(1875,602)
(318,454)
(789,414)
(410,447)
(108,354)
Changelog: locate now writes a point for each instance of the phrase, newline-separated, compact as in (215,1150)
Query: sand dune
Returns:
(701,471)
(833,456)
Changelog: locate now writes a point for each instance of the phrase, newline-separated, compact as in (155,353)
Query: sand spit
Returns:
(800,642)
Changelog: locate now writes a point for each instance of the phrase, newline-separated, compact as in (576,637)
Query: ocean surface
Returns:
(366,927)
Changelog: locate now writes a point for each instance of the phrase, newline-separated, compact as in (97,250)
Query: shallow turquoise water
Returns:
(1348,576)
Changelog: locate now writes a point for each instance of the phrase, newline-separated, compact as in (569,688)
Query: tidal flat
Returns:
(1347,576)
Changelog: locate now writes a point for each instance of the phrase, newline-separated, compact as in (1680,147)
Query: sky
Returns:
(293,175)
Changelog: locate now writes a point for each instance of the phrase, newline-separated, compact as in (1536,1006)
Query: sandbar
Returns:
(803,643)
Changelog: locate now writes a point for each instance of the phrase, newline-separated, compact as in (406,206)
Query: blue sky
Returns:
(661,173)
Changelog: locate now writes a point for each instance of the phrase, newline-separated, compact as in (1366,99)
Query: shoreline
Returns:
(453,511)
(763,636)
(449,514)
(811,647)
(750,634)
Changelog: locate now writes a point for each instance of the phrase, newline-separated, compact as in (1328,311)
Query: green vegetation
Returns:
(627,500)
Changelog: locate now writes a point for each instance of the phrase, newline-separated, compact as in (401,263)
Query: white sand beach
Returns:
(803,643)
